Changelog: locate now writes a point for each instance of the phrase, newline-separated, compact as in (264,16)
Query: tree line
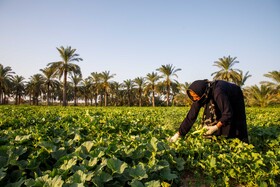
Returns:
(62,82)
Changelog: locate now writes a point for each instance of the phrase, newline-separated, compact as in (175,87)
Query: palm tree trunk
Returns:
(19,98)
(30,96)
(48,94)
(65,88)
(129,99)
(105,99)
(101,99)
(95,99)
(1,95)
(140,98)
(52,97)
(75,96)
(37,100)
(153,99)
(16,99)
(86,100)
(168,90)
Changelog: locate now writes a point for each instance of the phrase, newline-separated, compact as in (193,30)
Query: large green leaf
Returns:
(4,139)
(102,178)
(88,145)
(75,185)
(16,184)
(213,162)
(153,183)
(138,172)
(98,152)
(136,183)
(91,162)
(14,154)
(59,153)
(116,165)
(80,177)
(46,181)
(180,163)
(85,147)
(153,144)
(167,175)
(4,157)
(161,164)
(2,173)
(56,181)
(68,163)
(23,138)
(48,146)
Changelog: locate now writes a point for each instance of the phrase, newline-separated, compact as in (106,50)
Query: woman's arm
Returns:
(189,120)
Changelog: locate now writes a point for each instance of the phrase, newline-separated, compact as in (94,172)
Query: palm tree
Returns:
(65,66)
(5,80)
(18,88)
(116,93)
(274,84)
(129,85)
(183,96)
(227,73)
(162,91)
(75,80)
(85,89)
(96,85)
(35,87)
(184,87)
(175,87)
(57,93)
(105,77)
(243,78)
(152,79)
(260,96)
(167,72)
(49,81)
(275,77)
(140,82)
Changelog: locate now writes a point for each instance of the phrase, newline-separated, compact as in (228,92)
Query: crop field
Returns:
(127,146)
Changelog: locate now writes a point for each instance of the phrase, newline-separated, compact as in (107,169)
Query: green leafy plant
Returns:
(88,146)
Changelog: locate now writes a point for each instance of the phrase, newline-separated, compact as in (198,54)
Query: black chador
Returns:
(222,101)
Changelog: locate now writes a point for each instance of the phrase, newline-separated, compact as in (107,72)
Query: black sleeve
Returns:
(188,122)
(224,106)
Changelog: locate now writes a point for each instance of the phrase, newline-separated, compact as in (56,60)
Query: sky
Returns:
(131,38)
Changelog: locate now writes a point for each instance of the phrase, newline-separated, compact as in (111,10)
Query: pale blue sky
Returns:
(131,38)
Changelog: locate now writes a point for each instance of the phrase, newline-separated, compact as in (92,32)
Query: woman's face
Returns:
(194,96)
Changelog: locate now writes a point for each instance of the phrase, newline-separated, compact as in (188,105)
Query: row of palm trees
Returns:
(268,93)
(157,88)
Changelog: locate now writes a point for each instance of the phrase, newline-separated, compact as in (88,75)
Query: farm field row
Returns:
(127,146)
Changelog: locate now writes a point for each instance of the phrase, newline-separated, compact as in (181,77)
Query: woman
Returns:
(224,110)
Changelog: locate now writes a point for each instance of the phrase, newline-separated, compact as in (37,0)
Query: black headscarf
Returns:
(201,88)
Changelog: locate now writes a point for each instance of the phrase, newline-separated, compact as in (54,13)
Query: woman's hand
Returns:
(211,129)
(174,138)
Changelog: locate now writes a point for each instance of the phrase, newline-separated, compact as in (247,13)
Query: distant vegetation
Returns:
(62,82)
